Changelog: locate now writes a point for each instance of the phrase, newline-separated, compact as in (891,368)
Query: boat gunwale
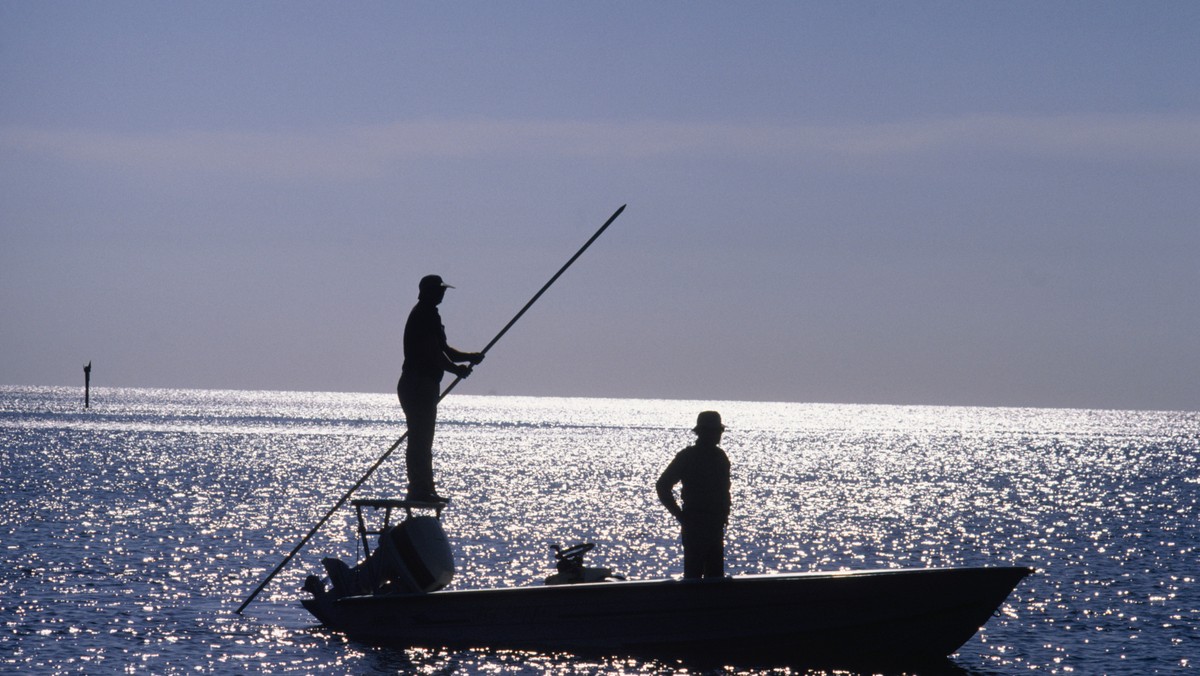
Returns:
(673,582)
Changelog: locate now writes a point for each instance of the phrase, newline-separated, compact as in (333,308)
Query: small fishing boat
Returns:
(396,597)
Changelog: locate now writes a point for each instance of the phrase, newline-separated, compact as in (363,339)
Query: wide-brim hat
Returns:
(708,420)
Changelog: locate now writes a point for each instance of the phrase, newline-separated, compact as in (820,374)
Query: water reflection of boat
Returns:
(839,617)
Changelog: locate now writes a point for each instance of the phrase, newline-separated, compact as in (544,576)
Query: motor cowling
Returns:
(413,557)
(421,559)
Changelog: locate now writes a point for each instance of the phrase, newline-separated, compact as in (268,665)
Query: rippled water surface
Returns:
(131,531)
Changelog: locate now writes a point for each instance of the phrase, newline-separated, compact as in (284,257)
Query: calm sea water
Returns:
(130,532)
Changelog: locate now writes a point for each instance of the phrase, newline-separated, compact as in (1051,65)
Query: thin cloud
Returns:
(355,153)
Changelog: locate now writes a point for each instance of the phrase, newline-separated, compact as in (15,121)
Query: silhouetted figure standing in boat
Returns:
(426,358)
(703,469)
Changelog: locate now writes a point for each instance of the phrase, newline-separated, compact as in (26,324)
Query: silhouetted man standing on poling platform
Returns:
(426,358)
(703,469)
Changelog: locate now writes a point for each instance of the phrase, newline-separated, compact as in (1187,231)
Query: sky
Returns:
(918,203)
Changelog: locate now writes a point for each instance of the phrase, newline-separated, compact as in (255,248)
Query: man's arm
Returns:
(666,489)
(451,356)
(460,356)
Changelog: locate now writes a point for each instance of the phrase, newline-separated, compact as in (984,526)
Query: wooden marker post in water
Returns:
(87,384)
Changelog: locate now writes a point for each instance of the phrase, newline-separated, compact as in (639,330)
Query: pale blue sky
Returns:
(915,203)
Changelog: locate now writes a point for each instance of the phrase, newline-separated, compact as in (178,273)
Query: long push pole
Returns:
(388,453)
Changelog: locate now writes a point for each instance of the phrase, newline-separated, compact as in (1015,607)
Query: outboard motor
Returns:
(411,558)
(571,570)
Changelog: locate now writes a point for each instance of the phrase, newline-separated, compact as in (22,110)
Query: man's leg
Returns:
(693,561)
(707,544)
(420,414)
(714,554)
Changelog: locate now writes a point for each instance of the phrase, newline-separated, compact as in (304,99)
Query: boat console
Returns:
(571,570)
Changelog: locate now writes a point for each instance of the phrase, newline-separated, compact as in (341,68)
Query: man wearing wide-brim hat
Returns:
(427,358)
(703,471)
